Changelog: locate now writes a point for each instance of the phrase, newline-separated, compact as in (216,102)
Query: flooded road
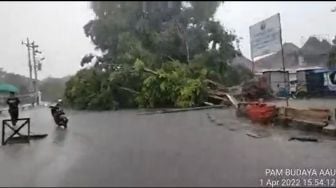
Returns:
(122,148)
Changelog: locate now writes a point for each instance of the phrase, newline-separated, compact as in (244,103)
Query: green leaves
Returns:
(158,50)
(85,91)
(172,86)
(191,93)
(203,10)
(155,31)
(139,65)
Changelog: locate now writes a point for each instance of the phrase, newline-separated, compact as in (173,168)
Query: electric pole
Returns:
(28,45)
(35,51)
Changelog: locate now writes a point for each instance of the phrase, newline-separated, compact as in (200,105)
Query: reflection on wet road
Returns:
(59,136)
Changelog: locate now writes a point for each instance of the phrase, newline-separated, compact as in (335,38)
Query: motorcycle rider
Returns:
(59,103)
(58,107)
(58,113)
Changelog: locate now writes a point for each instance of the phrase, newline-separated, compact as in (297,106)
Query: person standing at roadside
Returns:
(13,104)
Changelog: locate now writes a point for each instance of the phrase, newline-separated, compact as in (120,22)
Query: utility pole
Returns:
(286,82)
(28,45)
(35,51)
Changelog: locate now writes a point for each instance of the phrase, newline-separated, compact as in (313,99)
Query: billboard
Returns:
(265,36)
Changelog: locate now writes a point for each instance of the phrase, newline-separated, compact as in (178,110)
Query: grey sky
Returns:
(57,27)
(299,20)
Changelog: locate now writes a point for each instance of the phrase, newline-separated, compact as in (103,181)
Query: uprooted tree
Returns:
(155,54)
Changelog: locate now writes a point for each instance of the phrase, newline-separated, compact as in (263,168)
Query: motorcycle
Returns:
(59,116)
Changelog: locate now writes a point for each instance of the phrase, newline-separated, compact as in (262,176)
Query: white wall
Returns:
(277,78)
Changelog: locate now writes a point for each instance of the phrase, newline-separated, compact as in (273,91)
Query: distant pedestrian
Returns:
(13,104)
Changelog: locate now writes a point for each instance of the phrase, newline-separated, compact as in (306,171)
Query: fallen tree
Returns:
(172,85)
(160,57)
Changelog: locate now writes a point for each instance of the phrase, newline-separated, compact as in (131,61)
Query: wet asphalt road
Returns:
(122,148)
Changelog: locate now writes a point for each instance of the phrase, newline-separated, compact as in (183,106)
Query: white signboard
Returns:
(265,36)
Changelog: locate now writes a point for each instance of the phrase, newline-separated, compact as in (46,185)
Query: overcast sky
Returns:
(57,27)
(299,20)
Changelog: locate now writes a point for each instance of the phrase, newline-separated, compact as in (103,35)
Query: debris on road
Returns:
(253,135)
(257,112)
(312,119)
(208,103)
(232,129)
(219,123)
(330,130)
(303,139)
(258,133)
(211,117)
(261,112)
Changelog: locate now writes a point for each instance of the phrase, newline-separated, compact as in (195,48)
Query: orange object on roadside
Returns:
(261,112)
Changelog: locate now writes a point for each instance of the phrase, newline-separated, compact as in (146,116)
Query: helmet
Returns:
(59,102)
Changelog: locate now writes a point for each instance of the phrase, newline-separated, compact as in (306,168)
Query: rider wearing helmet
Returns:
(59,102)
(58,114)
(58,110)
